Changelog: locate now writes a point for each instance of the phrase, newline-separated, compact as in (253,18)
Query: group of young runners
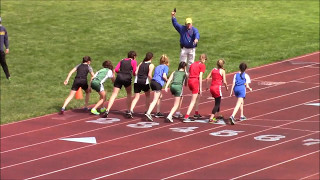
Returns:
(144,80)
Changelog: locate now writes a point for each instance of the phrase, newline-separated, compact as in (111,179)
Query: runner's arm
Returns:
(69,75)
(169,81)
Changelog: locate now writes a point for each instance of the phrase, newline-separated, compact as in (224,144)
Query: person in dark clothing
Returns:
(4,41)
(125,69)
(142,81)
(80,81)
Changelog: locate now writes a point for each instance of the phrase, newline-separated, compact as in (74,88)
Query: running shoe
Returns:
(197,116)
(213,120)
(159,115)
(242,118)
(178,115)
(62,111)
(169,119)
(102,110)
(232,120)
(105,114)
(129,114)
(149,117)
(186,120)
(94,111)
(150,113)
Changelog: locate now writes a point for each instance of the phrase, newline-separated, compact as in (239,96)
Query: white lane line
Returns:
(281,72)
(307,177)
(271,64)
(27,132)
(282,61)
(235,157)
(126,152)
(283,162)
(44,157)
(279,120)
(195,151)
(43,142)
(138,119)
(137,149)
(293,129)
(115,139)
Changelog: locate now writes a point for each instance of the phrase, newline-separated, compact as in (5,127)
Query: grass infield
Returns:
(48,38)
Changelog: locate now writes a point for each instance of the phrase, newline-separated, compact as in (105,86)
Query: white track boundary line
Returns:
(139,119)
(282,61)
(309,176)
(96,160)
(268,167)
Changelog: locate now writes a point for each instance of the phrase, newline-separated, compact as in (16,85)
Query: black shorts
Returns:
(155,86)
(137,88)
(122,81)
(79,82)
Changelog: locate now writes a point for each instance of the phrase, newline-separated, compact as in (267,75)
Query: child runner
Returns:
(241,81)
(196,71)
(79,81)
(178,78)
(97,84)
(218,76)
(124,69)
(142,82)
(158,80)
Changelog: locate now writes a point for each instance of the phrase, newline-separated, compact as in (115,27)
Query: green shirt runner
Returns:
(177,83)
(99,78)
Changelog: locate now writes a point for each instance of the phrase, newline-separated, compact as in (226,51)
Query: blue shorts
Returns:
(240,91)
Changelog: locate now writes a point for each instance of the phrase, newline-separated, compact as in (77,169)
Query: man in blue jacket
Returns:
(189,37)
(4,41)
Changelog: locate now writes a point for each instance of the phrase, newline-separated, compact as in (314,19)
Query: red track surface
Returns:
(280,139)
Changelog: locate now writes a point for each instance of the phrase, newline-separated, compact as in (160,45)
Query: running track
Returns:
(280,139)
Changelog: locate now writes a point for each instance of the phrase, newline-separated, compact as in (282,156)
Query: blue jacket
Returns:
(3,38)
(186,36)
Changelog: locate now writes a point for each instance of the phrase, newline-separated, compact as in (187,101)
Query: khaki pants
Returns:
(187,55)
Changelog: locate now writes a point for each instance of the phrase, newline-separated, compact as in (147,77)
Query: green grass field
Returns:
(48,38)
